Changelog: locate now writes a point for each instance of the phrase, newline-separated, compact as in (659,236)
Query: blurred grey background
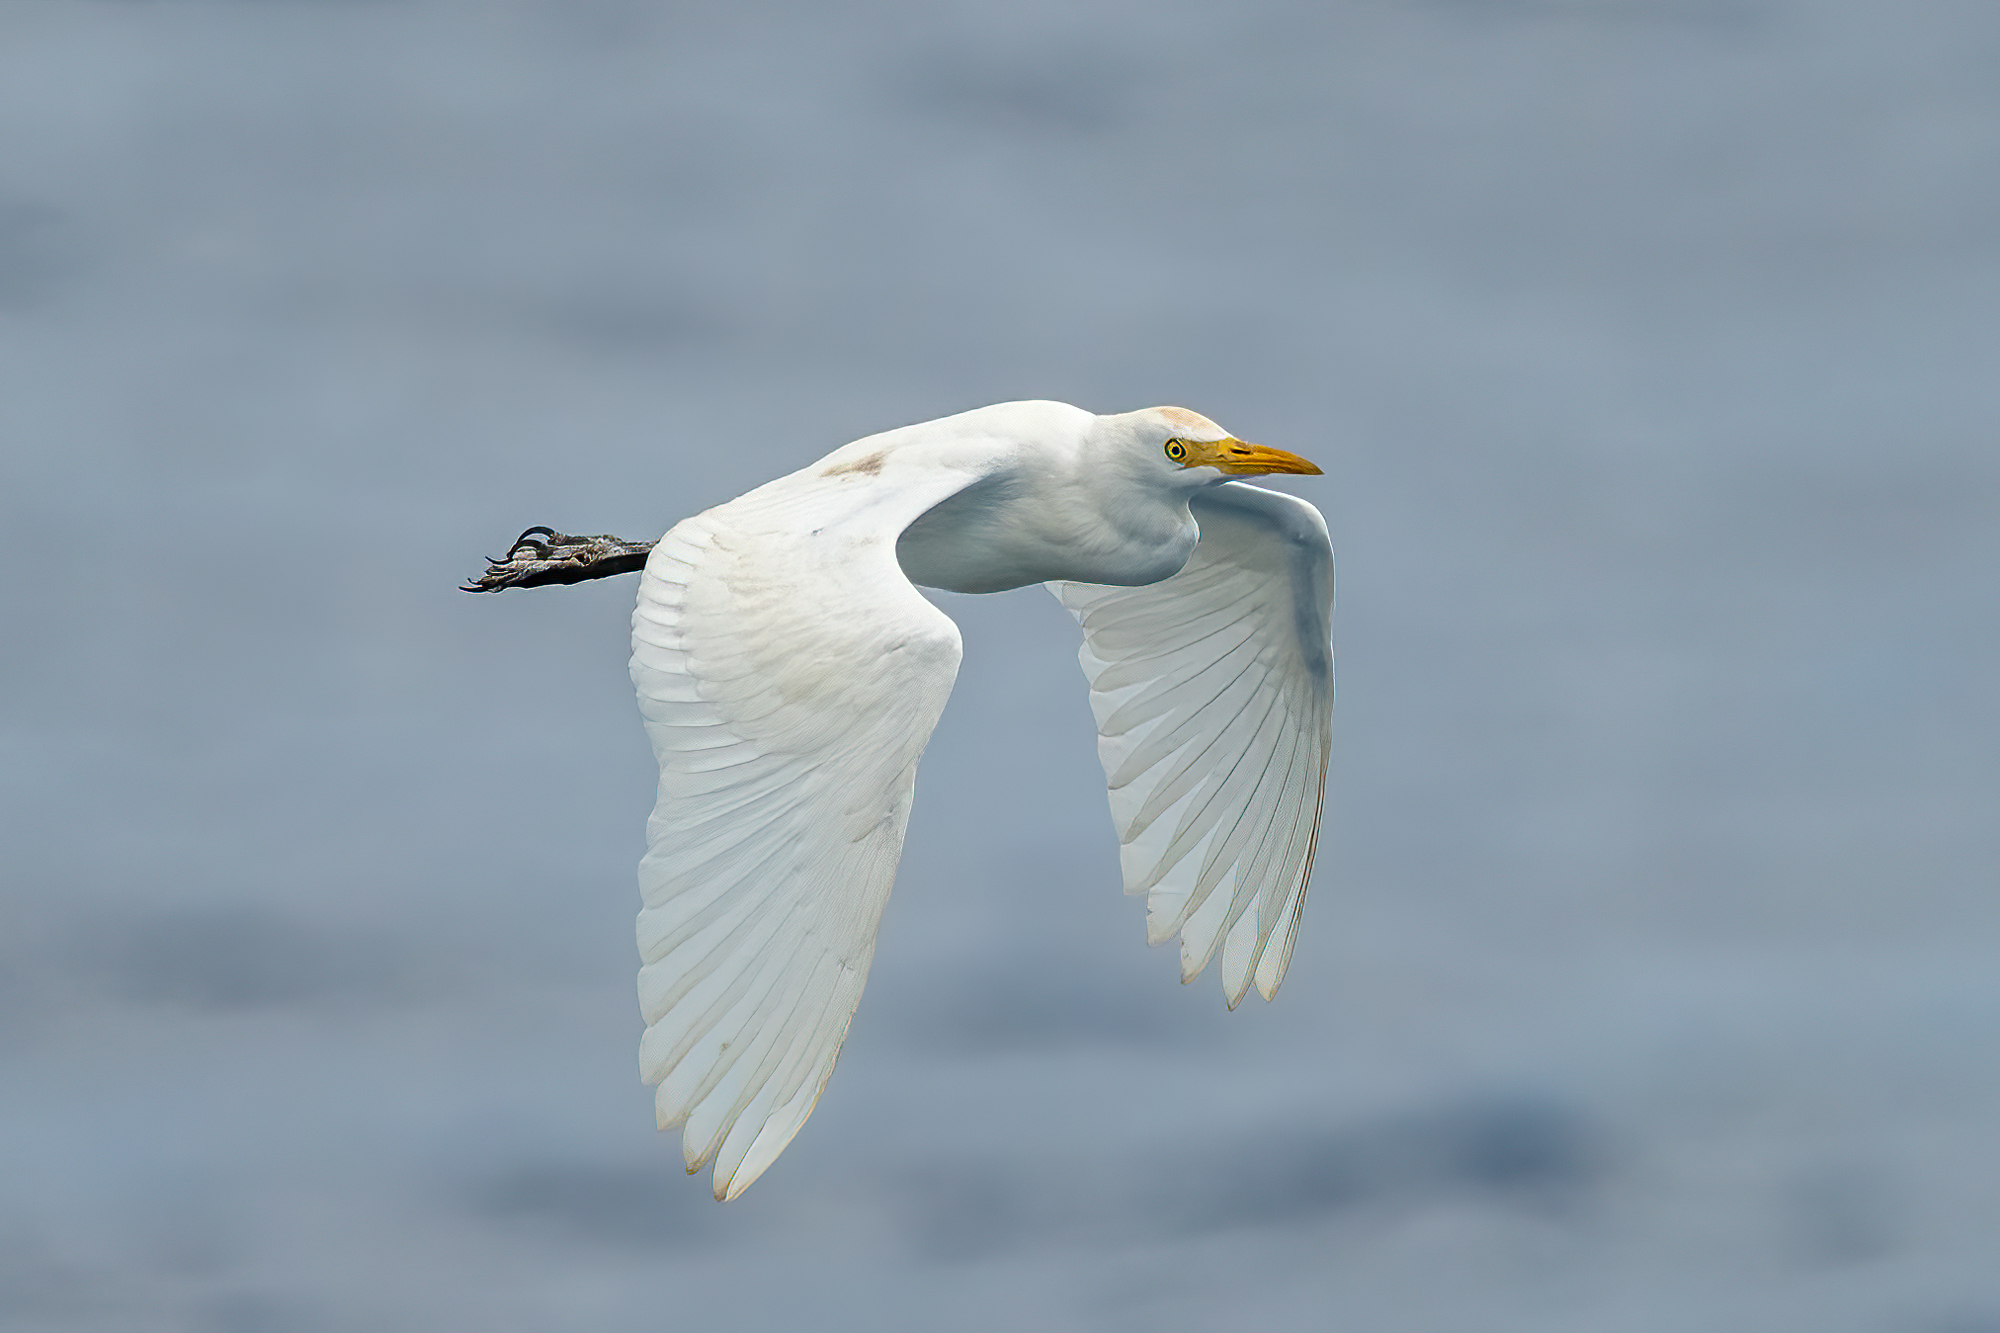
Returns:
(1652,976)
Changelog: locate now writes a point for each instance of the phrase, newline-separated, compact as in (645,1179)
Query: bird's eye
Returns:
(1177,450)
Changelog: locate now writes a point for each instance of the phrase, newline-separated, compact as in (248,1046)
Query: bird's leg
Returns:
(543,555)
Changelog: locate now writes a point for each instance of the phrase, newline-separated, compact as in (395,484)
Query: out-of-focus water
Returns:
(1652,976)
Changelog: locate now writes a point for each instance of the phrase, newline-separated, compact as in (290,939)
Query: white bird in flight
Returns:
(790,675)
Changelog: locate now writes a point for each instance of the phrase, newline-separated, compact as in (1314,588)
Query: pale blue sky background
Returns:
(1651,979)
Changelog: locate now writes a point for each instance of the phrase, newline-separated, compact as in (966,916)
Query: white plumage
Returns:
(790,674)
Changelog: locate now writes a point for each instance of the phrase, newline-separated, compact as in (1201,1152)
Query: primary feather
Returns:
(1213,692)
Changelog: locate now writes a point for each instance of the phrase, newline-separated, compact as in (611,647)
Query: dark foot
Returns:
(559,558)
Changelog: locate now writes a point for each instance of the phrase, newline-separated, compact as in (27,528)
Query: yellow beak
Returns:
(1244,460)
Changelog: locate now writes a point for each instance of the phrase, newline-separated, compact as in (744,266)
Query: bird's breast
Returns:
(1004,532)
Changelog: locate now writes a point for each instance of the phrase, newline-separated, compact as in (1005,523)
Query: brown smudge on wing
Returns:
(866,467)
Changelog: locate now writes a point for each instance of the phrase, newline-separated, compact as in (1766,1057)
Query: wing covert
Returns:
(1213,693)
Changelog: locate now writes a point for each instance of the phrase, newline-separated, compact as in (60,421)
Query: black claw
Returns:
(522,542)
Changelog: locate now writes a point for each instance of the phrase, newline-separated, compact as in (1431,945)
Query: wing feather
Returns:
(789,676)
(1213,692)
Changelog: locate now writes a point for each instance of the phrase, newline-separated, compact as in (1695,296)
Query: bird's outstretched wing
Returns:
(1213,692)
(790,676)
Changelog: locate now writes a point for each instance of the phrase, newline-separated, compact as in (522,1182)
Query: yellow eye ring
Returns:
(1177,450)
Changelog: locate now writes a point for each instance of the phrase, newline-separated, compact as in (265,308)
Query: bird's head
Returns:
(1190,450)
